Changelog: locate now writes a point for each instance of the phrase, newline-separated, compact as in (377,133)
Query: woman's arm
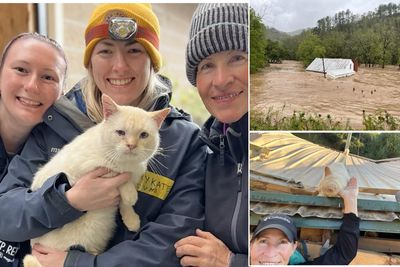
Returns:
(26,214)
(345,249)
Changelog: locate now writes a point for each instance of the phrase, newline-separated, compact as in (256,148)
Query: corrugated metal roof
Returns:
(292,158)
(287,161)
(319,212)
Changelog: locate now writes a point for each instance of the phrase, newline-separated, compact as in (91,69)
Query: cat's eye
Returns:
(120,132)
(144,135)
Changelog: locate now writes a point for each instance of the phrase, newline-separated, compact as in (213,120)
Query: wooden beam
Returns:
(334,224)
(379,244)
(258,185)
(311,234)
(378,191)
(363,257)
(312,190)
(283,198)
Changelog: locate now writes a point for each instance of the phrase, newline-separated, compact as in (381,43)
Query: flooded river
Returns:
(289,85)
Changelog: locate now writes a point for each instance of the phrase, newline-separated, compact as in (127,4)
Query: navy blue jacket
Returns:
(166,216)
(227,185)
(345,248)
(10,252)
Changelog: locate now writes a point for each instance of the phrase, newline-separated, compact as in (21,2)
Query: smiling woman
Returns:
(222,84)
(217,64)
(32,74)
(121,70)
(30,82)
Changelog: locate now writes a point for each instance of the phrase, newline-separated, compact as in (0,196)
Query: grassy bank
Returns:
(274,119)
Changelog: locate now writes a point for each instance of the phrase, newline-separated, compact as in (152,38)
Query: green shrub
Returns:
(275,120)
(380,120)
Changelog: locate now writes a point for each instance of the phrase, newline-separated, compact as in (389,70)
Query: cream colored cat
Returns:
(334,179)
(124,141)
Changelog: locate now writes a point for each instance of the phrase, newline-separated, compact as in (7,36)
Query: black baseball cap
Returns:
(277,221)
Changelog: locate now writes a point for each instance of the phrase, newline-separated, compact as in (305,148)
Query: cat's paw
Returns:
(128,193)
(132,222)
(129,217)
(31,261)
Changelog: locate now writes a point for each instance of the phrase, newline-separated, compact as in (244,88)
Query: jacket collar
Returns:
(235,134)
(62,115)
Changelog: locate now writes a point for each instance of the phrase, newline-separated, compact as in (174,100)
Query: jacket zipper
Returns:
(221,150)
(239,174)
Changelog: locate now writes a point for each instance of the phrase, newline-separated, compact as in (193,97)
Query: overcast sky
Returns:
(292,15)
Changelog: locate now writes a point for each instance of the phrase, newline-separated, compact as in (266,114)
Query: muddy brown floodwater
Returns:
(289,85)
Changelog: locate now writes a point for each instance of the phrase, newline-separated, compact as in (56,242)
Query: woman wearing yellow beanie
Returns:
(122,58)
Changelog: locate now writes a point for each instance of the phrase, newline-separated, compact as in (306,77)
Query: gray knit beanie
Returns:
(215,28)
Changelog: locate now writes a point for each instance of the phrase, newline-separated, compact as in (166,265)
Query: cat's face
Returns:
(131,132)
(334,179)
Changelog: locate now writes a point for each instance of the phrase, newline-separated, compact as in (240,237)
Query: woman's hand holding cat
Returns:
(49,257)
(93,191)
(203,250)
(349,195)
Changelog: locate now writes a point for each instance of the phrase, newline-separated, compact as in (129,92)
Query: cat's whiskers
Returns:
(111,156)
(169,148)
(160,151)
(156,165)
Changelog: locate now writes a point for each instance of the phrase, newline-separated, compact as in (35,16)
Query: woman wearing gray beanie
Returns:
(217,64)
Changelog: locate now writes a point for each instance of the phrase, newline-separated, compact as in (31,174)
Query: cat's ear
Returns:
(159,116)
(109,106)
(327,171)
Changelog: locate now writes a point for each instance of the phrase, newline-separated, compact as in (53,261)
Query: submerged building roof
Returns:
(334,67)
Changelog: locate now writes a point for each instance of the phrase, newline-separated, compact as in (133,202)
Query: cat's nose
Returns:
(131,146)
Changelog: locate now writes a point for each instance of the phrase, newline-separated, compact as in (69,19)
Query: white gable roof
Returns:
(334,67)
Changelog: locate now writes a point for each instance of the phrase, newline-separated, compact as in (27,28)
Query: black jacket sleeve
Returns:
(345,249)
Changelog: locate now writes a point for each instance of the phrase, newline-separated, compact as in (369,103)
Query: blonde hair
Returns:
(92,95)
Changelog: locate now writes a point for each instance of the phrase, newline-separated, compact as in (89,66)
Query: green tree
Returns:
(310,48)
(367,46)
(386,38)
(370,145)
(258,42)
(335,44)
(275,51)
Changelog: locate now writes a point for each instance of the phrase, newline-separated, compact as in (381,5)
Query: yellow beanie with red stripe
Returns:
(148,32)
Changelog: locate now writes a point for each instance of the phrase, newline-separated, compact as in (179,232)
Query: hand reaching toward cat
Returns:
(202,250)
(93,192)
(349,195)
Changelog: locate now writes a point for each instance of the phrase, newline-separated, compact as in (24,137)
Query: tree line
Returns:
(372,39)
(370,145)
(258,42)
